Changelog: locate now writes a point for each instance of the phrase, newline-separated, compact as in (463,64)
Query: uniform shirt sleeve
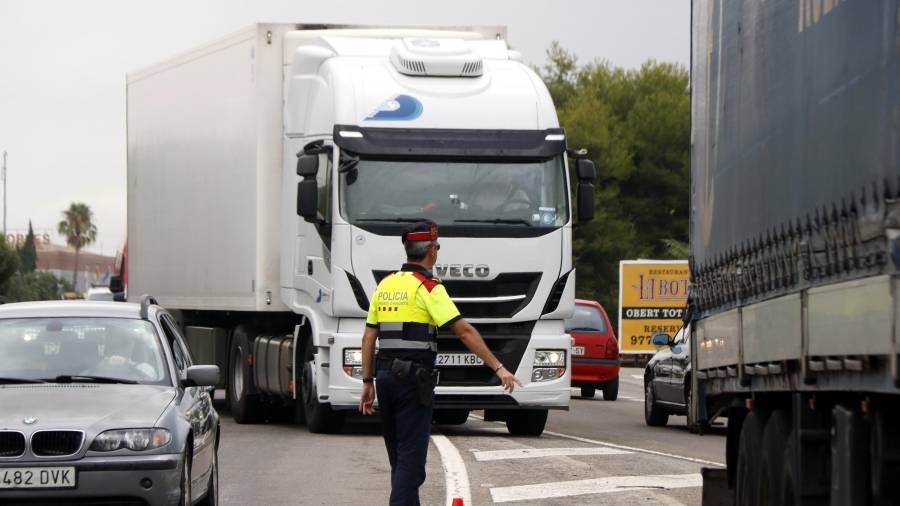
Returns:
(438,304)
(372,319)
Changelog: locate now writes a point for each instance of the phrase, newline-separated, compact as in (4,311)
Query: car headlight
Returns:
(133,439)
(352,356)
(550,358)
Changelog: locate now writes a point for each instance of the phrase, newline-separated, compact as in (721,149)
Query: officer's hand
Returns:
(508,379)
(367,400)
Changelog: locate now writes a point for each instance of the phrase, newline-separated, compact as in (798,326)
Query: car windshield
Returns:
(586,319)
(79,348)
(520,194)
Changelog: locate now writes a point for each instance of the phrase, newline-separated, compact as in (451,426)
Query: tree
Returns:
(635,125)
(28,252)
(9,264)
(79,230)
(36,285)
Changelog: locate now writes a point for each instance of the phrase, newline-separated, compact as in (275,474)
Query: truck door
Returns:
(312,261)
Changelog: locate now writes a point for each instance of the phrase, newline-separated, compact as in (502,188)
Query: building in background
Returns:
(93,269)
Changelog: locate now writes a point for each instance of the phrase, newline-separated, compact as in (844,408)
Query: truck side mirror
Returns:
(308,165)
(585,202)
(308,199)
(585,170)
(116,284)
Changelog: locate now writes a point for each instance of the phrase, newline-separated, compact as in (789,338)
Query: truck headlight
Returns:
(133,439)
(548,365)
(353,362)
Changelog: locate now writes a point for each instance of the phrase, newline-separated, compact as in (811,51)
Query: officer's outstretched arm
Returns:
(470,337)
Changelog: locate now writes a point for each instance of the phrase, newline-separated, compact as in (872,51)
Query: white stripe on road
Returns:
(455,475)
(624,447)
(528,453)
(594,486)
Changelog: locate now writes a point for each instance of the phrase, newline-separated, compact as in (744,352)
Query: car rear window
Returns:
(586,319)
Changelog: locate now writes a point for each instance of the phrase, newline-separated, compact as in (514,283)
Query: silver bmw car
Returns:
(100,403)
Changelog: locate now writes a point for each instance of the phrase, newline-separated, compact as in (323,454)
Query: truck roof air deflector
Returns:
(436,57)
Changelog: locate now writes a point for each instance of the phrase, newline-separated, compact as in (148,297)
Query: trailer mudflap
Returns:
(715,487)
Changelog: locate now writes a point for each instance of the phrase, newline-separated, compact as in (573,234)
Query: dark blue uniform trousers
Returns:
(406,426)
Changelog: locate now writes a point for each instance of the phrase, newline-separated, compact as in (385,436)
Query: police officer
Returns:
(406,309)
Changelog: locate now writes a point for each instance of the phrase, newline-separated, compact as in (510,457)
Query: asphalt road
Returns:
(598,452)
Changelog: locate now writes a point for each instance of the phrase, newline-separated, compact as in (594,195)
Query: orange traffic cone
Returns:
(457,501)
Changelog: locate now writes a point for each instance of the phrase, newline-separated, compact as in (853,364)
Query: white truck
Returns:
(270,175)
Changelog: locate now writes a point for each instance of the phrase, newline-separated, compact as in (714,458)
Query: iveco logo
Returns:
(29,420)
(462,270)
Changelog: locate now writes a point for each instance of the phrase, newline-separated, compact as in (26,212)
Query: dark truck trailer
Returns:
(795,200)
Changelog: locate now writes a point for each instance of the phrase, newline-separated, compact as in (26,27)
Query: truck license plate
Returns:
(37,477)
(578,350)
(459,359)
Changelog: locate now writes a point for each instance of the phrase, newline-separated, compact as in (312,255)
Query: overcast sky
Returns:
(63,65)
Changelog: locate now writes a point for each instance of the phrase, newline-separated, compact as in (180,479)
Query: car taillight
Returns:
(612,348)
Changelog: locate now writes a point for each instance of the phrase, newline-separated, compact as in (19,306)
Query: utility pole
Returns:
(4,194)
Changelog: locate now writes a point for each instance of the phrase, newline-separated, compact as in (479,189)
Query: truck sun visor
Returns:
(454,143)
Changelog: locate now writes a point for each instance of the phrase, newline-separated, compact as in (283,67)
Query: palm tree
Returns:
(78,229)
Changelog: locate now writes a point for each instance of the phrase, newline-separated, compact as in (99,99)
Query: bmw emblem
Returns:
(29,420)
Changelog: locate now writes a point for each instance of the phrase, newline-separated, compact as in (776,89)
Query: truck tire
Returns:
(772,466)
(747,483)
(611,390)
(450,416)
(527,422)
(790,478)
(245,406)
(654,416)
(588,392)
(320,418)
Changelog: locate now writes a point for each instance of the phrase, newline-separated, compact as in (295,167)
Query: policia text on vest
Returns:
(406,309)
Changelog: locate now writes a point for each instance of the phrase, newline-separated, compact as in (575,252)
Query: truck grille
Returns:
(507,341)
(56,443)
(12,444)
(522,284)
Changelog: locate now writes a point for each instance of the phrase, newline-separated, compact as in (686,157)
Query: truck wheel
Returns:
(528,422)
(772,467)
(746,490)
(790,478)
(588,392)
(245,407)
(654,416)
(611,390)
(450,416)
(320,418)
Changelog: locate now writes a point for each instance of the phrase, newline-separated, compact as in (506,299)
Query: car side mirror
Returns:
(660,339)
(201,376)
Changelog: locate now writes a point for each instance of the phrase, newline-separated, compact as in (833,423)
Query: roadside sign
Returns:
(652,298)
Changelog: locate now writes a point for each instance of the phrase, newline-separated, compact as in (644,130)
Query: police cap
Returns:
(425,230)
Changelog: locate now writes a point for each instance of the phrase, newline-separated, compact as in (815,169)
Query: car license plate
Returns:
(37,477)
(578,350)
(459,359)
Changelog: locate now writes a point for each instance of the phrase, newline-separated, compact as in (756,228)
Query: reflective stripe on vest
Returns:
(401,323)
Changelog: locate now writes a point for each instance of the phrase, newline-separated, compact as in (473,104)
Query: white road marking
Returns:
(627,448)
(606,485)
(455,476)
(633,399)
(527,453)
(638,376)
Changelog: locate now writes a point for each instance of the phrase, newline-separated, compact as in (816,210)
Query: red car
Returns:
(595,354)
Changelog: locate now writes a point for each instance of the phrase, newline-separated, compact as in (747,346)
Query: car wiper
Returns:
(6,381)
(392,220)
(497,220)
(85,378)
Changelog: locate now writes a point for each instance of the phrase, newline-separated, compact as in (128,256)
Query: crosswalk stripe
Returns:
(606,485)
(527,453)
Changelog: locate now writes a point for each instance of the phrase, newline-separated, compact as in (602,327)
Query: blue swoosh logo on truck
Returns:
(398,108)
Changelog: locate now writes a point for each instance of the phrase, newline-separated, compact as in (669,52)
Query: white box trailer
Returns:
(214,196)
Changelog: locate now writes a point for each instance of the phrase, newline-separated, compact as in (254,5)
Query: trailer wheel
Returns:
(746,491)
(245,406)
(527,422)
(320,418)
(773,466)
(790,478)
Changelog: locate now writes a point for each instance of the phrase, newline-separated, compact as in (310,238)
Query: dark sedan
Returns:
(667,380)
(101,403)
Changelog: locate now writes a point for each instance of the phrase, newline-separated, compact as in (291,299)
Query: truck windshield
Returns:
(521,194)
